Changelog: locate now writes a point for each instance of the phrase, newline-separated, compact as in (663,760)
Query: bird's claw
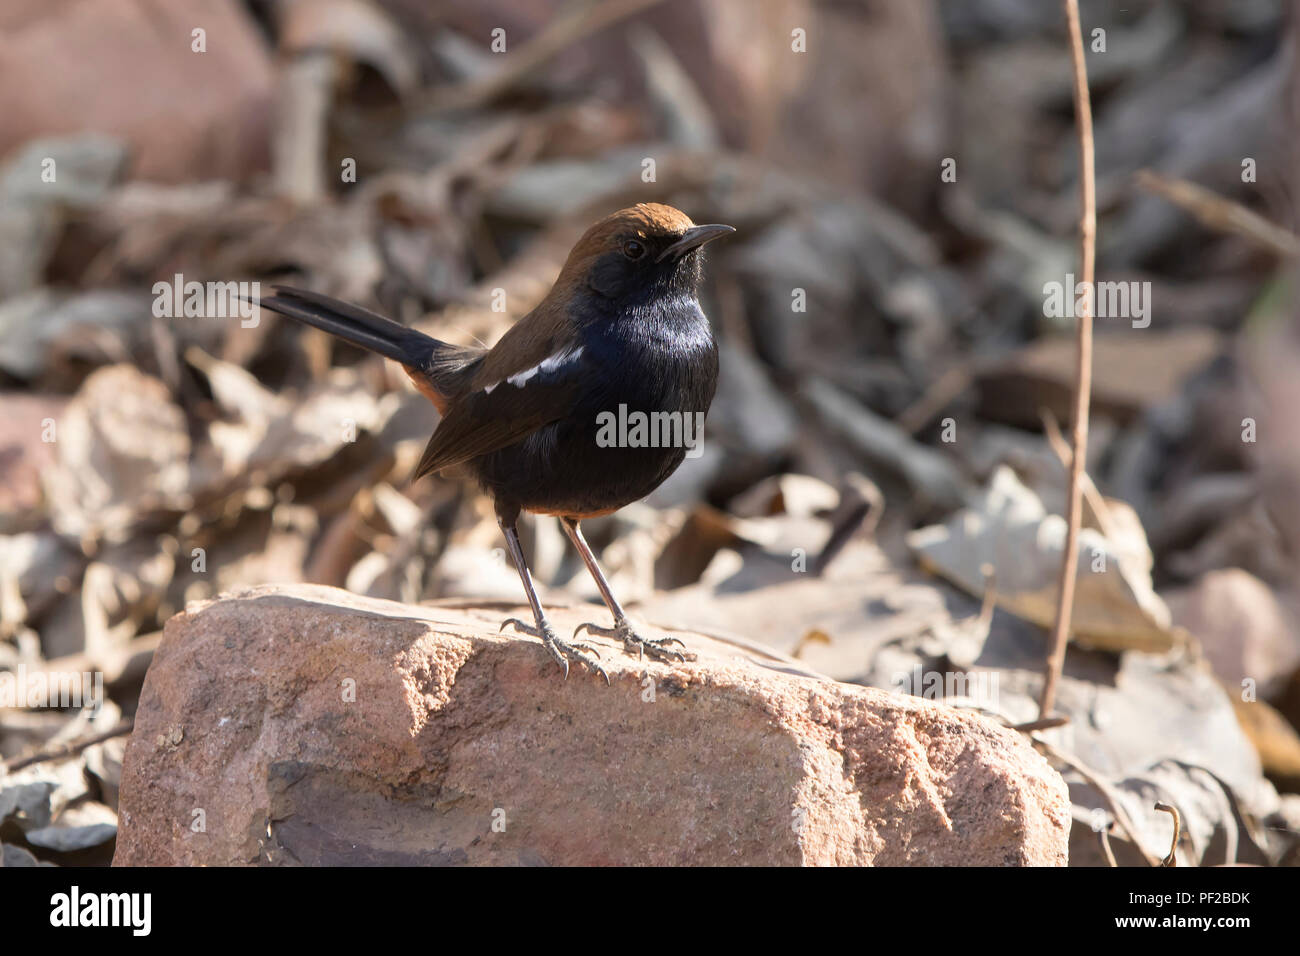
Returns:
(658,649)
(561,651)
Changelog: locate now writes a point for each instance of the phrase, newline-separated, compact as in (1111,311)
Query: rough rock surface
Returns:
(308,725)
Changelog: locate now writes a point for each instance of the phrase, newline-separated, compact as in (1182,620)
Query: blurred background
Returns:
(882,472)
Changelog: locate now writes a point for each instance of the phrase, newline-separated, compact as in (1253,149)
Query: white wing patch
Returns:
(520,379)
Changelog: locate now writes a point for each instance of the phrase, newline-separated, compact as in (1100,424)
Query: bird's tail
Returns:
(442,366)
(354,324)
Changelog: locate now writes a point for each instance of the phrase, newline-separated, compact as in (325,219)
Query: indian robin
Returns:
(620,332)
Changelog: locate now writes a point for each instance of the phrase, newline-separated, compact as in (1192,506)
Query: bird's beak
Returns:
(693,238)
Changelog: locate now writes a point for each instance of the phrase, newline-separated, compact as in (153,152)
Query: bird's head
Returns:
(638,253)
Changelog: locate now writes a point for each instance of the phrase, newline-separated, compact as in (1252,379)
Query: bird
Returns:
(620,332)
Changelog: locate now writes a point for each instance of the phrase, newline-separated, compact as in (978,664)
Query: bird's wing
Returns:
(530,378)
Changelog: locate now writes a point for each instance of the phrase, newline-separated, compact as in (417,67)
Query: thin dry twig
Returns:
(1044,723)
(1090,492)
(69,749)
(1083,368)
(1172,859)
(1104,836)
(1222,215)
(1108,793)
(861,500)
(941,391)
(990,600)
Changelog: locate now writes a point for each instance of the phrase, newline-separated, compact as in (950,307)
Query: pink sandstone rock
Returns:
(462,746)
(128,69)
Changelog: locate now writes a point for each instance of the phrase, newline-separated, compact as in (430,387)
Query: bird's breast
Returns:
(646,380)
(660,356)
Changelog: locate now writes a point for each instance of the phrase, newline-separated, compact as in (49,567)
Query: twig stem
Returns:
(69,749)
(1172,858)
(1083,367)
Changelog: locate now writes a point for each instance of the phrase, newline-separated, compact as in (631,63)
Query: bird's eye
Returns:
(633,249)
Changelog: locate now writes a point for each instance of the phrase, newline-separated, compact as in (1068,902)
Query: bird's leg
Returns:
(562,651)
(659,649)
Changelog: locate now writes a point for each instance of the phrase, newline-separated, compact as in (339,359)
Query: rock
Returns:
(1246,631)
(68,67)
(303,724)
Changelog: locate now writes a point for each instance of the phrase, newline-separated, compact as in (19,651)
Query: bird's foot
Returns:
(561,651)
(659,649)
